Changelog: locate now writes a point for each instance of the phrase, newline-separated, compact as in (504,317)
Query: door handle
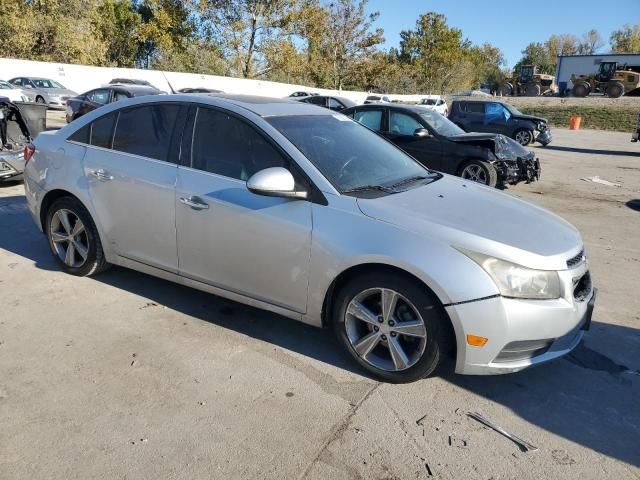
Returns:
(102,175)
(195,202)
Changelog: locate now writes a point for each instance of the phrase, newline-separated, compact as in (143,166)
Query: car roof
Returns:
(392,106)
(134,89)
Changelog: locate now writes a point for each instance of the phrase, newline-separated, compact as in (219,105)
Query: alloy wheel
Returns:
(475,173)
(385,329)
(69,238)
(523,137)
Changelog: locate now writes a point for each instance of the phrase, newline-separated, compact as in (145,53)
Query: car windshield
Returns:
(428,101)
(6,85)
(349,155)
(441,124)
(44,83)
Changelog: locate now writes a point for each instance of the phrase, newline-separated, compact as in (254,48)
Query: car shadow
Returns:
(592,151)
(586,398)
(634,204)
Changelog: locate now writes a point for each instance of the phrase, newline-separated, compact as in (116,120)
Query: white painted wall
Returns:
(81,78)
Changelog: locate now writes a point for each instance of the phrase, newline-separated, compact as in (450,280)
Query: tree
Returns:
(626,40)
(591,42)
(563,44)
(536,54)
(118,24)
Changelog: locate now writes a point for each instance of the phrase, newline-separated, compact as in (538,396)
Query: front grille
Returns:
(577,260)
(582,287)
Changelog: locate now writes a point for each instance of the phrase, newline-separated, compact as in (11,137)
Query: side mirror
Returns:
(274,182)
(421,133)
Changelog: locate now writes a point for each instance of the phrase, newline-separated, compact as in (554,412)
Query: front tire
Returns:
(40,100)
(481,172)
(73,238)
(524,137)
(615,90)
(392,326)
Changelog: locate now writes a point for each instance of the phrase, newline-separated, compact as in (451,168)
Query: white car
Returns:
(12,93)
(377,99)
(435,103)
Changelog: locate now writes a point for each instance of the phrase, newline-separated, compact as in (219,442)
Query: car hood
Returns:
(530,118)
(471,216)
(499,144)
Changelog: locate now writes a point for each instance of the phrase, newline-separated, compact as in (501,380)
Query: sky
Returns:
(509,25)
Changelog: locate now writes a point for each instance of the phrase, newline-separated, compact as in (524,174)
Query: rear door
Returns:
(229,237)
(427,150)
(473,116)
(131,169)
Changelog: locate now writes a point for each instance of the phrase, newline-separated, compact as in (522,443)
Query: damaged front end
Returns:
(14,135)
(515,163)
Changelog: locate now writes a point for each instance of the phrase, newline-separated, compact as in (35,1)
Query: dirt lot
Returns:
(127,376)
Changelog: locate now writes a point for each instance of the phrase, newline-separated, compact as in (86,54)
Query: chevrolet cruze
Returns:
(299,210)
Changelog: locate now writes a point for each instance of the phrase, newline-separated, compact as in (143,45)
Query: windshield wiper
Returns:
(365,188)
(408,180)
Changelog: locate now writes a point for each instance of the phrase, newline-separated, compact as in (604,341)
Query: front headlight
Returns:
(516,281)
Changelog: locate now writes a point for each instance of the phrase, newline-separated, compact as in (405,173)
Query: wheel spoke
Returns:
(81,249)
(69,257)
(367,343)
(63,216)
(59,237)
(400,360)
(78,228)
(389,302)
(411,329)
(361,312)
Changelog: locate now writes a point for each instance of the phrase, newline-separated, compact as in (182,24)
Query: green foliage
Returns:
(620,119)
(626,40)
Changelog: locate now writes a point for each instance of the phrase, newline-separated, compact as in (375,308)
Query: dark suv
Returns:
(434,141)
(498,117)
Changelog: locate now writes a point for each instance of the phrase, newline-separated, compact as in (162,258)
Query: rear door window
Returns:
(146,130)
(370,118)
(474,107)
(102,131)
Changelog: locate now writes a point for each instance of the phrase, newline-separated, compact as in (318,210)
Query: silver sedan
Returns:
(298,210)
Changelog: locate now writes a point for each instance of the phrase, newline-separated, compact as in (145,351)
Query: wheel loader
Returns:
(611,80)
(528,83)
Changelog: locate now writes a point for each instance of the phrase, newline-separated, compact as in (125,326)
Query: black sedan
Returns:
(89,101)
(433,140)
(499,117)
(334,103)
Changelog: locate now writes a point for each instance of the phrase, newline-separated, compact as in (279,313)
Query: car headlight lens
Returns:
(516,281)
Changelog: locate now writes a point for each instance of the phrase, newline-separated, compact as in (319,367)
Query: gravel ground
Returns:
(127,376)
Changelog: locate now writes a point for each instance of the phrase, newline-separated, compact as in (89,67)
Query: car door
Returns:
(335,104)
(473,117)
(369,117)
(131,171)
(496,118)
(229,237)
(94,99)
(401,129)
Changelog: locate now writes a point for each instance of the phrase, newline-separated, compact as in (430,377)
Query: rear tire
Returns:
(73,238)
(581,89)
(615,89)
(481,172)
(387,353)
(533,90)
(524,137)
(506,89)
(40,100)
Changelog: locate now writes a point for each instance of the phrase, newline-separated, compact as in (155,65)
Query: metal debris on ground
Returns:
(149,304)
(419,421)
(523,444)
(457,442)
(602,181)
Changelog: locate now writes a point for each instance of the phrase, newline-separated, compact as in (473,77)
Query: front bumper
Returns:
(521,333)
(58,103)
(522,170)
(11,169)
(544,137)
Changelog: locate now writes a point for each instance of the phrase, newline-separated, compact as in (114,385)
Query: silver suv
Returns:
(301,211)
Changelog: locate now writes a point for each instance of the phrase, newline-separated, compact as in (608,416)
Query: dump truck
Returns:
(611,80)
(528,83)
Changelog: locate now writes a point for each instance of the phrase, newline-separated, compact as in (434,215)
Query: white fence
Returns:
(81,78)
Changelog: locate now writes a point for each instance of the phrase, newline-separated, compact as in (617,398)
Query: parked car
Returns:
(436,103)
(132,81)
(14,135)
(434,141)
(43,90)
(199,90)
(302,94)
(336,104)
(498,117)
(89,101)
(377,99)
(12,93)
(408,266)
